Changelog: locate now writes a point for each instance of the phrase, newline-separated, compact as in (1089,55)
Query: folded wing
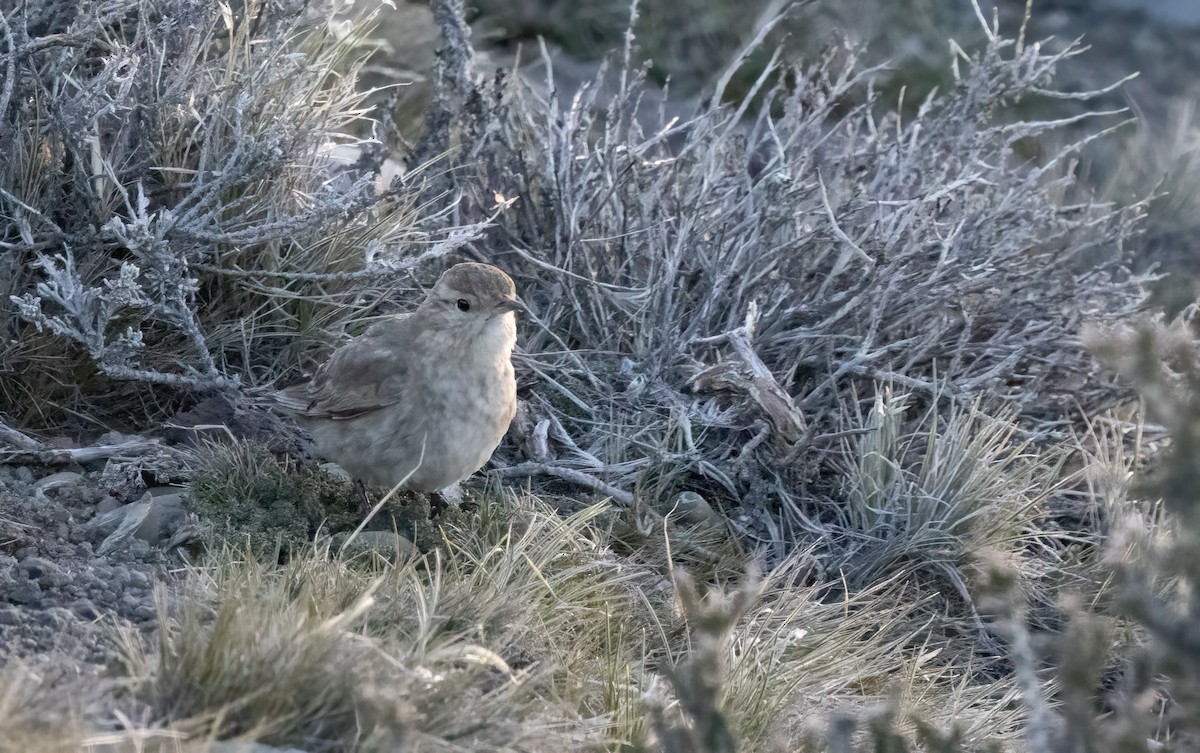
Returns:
(363,375)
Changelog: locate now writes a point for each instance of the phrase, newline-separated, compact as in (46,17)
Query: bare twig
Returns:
(19,440)
(585,480)
(57,456)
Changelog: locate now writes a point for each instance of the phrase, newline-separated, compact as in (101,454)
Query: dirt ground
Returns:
(62,599)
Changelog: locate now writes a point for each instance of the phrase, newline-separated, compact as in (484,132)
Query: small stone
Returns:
(137,579)
(333,469)
(59,480)
(58,617)
(151,519)
(165,516)
(24,591)
(115,437)
(693,508)
(107,504)
(86,609)
(43,571)
(24,474)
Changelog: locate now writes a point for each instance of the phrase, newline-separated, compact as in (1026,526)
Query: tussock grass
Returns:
(939,498)
(32,716)
(526,632)
(271,657)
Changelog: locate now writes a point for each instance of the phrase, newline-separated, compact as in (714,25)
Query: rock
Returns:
(116,437)
(387,544)
(57,617)
(333,469)
(59,480)
(165,517)
(86,609)
(105,524)
(107,504)
(24,591)
(692,508)
(152,519)
(23,474)
(42,570)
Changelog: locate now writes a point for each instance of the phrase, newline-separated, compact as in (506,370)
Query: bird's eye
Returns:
(464,304)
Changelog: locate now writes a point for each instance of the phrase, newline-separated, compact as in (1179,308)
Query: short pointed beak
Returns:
(512,304)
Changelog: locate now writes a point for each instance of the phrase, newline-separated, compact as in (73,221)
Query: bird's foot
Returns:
(443,498)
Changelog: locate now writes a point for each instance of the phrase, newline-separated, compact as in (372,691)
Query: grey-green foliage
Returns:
(127,164)
(175,178)
(710,293)
(245,495)
(1154,559)
(1123,676)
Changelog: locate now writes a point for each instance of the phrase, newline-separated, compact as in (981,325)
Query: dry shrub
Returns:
(712,295)
(155,151)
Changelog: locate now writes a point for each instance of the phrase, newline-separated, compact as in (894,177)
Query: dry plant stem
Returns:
(760,384)
(1039,731)
(382,269)
(132,448)
(455,77)
(585,480)
(19,440)
(456,51)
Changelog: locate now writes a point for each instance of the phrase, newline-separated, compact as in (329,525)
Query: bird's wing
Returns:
(365,374)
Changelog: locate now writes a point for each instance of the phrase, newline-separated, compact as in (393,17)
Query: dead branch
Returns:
(587,480)
(66,456)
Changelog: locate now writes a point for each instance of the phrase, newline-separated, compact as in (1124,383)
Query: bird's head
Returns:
(473,299)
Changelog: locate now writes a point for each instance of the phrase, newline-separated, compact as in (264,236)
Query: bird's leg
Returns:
(442,498)
(437,503)
(364,500)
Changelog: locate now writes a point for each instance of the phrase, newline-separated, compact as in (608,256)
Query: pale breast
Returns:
(454,412)
(473,409)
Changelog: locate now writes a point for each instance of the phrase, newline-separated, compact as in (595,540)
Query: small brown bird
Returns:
(422,398)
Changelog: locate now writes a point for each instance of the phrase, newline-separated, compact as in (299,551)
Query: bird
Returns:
(420,400)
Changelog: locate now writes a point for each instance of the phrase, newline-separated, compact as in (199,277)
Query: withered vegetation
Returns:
(812,451)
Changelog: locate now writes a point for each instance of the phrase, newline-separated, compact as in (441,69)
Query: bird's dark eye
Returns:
(464,304)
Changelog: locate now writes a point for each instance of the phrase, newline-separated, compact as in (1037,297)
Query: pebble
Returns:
(59,480)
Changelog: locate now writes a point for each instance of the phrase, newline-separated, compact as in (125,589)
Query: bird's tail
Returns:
(287,399)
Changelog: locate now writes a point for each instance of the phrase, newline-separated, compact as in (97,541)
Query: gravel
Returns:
(57,593)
